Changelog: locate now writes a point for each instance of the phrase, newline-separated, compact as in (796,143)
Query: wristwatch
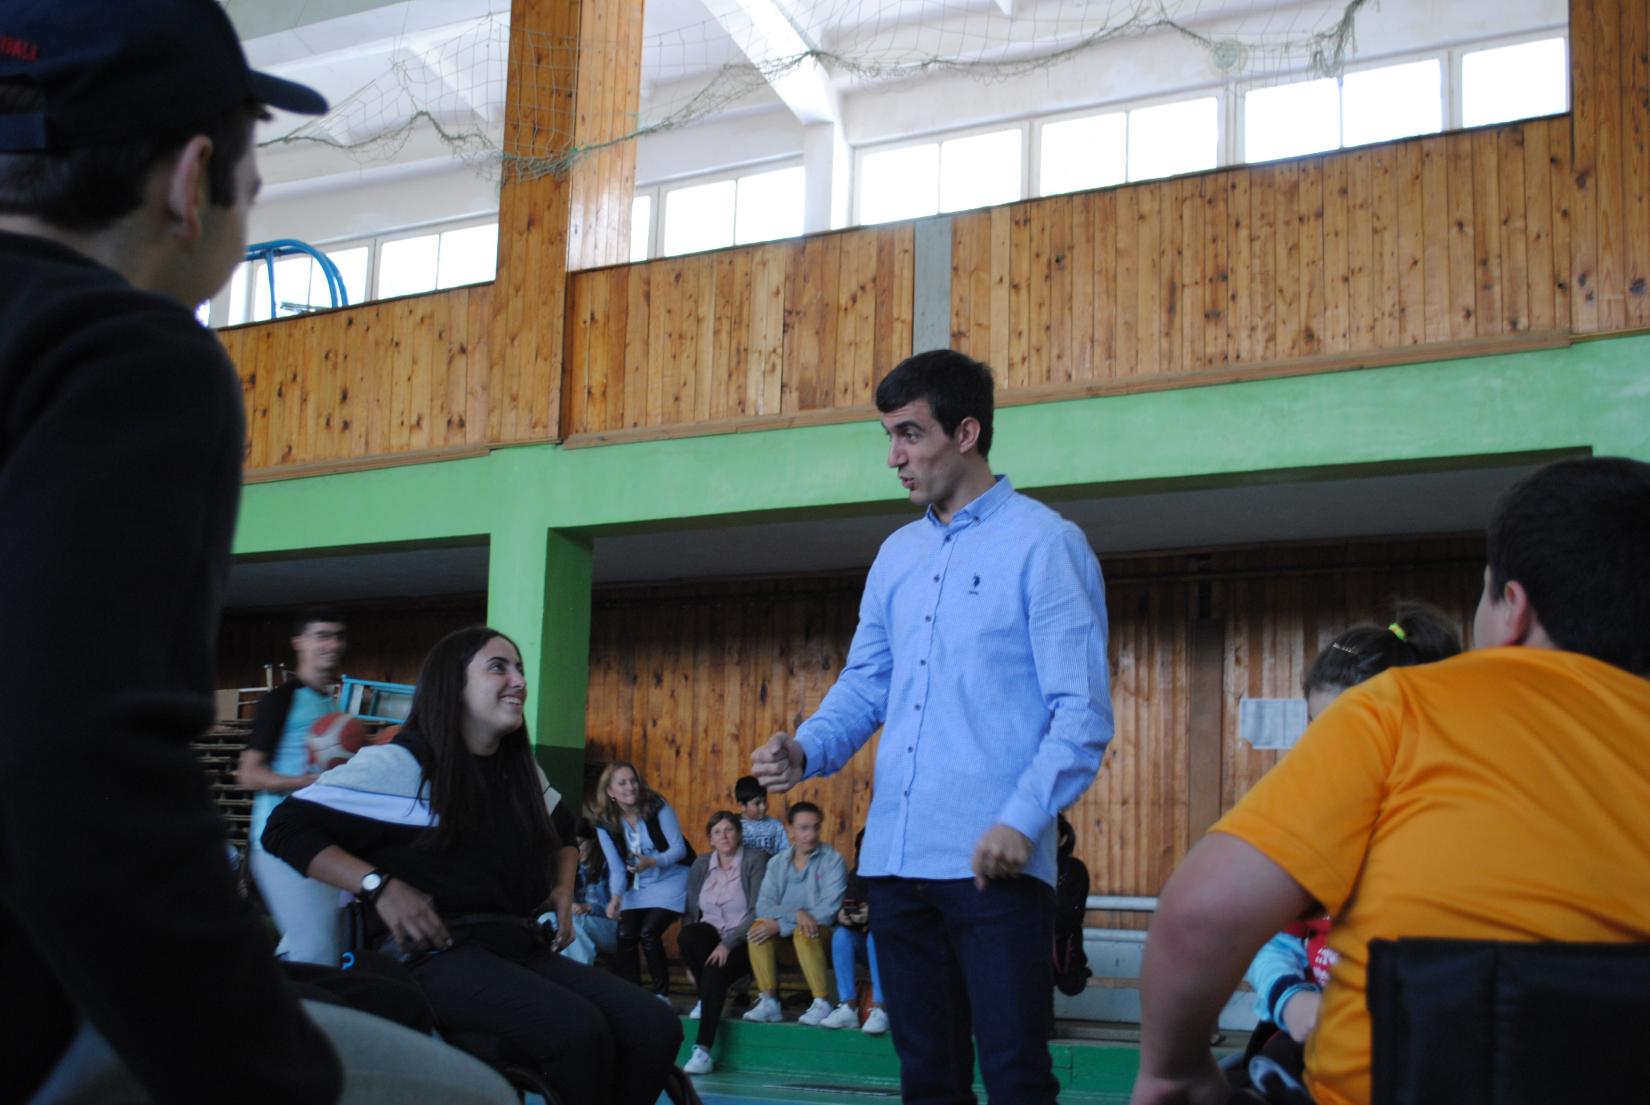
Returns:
(372,884)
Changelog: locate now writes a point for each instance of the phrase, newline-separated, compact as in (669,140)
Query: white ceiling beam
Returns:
(772,44)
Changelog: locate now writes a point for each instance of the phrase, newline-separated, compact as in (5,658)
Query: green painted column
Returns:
(538,591)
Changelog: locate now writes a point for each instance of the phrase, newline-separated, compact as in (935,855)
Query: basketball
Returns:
(333,739)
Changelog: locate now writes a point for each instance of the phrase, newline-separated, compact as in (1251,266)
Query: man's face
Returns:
(929,463)
(756,809)
(321,646)
(805,832)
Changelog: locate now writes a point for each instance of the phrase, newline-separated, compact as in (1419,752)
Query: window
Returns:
(641,227)
(755,207)
(956,174)
(980,170)
(1365,105)
(444,259)
(1169,139)
(1290,120)
(899,184)
(1524,81)
(1395,101)
(1089,152)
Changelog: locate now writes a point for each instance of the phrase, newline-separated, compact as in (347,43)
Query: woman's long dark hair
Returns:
(456,793)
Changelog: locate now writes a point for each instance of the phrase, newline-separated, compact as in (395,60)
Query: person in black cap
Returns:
(131,969)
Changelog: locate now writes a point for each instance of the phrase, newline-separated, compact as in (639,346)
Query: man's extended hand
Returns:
(778,765)
(1000,854)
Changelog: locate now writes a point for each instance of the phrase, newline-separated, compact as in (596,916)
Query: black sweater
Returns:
(494,868)
(121,435)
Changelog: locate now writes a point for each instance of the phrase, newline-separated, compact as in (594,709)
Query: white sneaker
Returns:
(876,1022)
(765,1011)
(693,1016)
(843,1016)
(699,1062)
(816,1012)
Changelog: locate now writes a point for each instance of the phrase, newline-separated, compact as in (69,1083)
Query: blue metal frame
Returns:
(268,252)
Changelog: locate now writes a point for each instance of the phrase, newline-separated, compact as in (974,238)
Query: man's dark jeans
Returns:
(945,948)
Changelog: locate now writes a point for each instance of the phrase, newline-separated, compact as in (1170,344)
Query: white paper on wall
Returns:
(1271,723)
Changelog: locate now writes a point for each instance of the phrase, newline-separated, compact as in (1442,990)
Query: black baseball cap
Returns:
(115,70)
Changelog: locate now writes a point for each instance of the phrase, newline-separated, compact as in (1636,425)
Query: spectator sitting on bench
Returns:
(800,896)
(721,903)
(852,940)
(1496,795)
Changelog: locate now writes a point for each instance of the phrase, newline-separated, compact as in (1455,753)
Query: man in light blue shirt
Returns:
(981,652)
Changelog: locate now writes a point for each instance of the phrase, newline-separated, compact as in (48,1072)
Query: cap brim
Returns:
(287,95)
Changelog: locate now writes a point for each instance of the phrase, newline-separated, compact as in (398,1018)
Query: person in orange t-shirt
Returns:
(1497,795)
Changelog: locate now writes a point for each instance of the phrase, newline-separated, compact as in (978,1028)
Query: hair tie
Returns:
(1398,631)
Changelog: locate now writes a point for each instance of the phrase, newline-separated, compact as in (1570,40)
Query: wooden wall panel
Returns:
(389,378)
(686,680)
(775,329)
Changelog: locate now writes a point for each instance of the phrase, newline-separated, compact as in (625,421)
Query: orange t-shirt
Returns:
(1503,794)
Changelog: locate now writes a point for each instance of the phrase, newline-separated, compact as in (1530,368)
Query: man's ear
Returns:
(1512,617)
(187,187)
(967,436)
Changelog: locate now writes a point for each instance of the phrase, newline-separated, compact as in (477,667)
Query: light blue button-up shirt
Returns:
(981,649)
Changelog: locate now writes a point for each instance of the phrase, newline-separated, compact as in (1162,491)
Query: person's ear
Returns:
(188,187)
(967,436)
(1512,618)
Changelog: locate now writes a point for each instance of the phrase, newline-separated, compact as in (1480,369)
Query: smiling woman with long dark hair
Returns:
(455,841)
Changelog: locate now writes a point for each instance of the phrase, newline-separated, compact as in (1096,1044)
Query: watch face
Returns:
(371,881)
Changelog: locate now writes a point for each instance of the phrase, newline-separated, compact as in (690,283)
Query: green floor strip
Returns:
(791,1062)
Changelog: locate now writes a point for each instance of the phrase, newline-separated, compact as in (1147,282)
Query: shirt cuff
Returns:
(1025,817)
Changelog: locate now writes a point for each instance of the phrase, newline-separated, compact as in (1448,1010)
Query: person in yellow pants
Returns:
(797,905)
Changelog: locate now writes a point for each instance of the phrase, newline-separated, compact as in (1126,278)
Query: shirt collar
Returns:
(983,506)
(732,863)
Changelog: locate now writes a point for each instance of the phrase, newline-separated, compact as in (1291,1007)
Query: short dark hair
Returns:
(89,188)
(955,385)
(1576,536)
(802,807)
(1361,653)
(747,789)
(309,615)
(730,817)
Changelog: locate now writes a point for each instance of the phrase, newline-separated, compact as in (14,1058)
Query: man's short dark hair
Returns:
(89,188)
(309,615)
(803,807)
(955,385)
(1576,535)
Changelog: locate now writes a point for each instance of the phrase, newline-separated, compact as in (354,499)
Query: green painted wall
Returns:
(538,505)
